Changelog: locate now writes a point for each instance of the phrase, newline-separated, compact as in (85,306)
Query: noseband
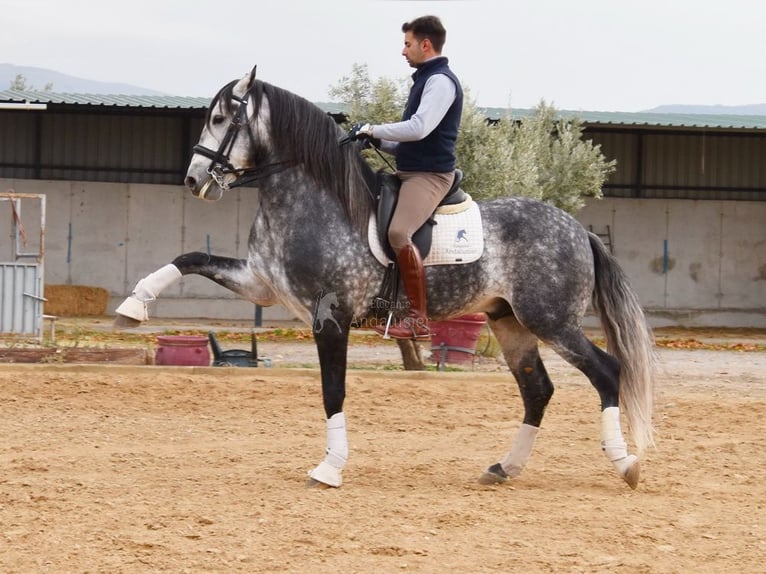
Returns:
(220,164)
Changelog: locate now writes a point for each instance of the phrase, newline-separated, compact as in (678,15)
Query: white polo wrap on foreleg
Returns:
(147,290)
(612,442)
(155,283)
(330,469)
(520,451)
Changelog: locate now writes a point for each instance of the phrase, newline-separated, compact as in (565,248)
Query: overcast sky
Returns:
(595,55)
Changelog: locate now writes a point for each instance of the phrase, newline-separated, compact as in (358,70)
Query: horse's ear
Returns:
(251,80)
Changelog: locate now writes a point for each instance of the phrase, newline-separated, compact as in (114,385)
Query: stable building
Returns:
(684,212)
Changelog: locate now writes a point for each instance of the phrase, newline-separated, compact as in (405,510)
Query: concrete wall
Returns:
(692,262)
(112,235)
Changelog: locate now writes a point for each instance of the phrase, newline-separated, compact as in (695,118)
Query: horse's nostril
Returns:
(190,182)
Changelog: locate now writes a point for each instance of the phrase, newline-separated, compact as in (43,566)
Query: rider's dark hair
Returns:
(427,27)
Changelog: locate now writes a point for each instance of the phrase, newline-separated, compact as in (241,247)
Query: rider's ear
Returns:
(251,81)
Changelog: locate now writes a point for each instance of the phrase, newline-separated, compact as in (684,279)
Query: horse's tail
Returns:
(629,339)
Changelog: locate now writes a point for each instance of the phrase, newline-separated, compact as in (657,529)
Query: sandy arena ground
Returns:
(157,469)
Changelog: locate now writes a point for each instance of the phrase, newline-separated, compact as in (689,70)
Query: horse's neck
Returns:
(349,204)
(296,198)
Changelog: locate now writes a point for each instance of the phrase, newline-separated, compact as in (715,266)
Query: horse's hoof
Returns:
(313,483)
(494,475)
(631,476)
(326,474)
(123,322)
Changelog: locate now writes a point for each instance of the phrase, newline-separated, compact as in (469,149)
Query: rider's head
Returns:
(424,38)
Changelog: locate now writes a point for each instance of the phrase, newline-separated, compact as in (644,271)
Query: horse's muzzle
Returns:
(209,191)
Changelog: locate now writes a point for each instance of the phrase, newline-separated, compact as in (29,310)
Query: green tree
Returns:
(380,101)
(20,83)
(541,155)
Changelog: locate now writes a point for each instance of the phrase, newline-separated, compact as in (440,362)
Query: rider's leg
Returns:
(419,196)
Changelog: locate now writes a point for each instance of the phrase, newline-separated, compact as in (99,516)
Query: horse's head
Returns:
(225,150)
(254,131)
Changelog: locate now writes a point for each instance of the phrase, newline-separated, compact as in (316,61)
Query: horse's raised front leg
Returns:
(234,274)
(332,345)
(134,310)
(521,353)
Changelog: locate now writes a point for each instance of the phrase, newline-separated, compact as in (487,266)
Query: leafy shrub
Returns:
(541,155)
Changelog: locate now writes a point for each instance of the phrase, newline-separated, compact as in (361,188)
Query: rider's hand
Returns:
(363,133)
(360,131)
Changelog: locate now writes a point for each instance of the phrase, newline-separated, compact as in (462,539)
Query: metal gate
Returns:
(22,278)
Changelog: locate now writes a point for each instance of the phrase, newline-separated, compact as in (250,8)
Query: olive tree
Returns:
(539,155)
(20,83)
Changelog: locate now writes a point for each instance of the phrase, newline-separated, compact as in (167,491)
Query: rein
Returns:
(251,174)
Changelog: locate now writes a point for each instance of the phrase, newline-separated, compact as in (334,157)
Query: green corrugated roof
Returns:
(649,119)
(117,100)
(615,119)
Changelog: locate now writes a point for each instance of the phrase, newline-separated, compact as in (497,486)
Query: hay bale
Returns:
(75,300)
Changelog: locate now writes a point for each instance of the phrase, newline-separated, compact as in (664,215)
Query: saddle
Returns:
(388,195)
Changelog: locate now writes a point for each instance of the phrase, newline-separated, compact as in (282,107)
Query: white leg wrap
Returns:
(330,469)
(147,290)
(612,442)
(521,448)
(153,284)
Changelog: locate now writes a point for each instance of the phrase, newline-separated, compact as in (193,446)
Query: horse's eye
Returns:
(218,120)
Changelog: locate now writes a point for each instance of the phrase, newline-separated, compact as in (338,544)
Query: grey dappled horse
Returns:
(539,271)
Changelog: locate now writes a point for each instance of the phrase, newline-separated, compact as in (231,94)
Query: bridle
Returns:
(220,164)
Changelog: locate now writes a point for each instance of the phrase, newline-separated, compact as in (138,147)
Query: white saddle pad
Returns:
(457,238)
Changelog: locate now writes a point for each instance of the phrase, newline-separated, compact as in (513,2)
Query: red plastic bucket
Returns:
(183,350)
(454,340)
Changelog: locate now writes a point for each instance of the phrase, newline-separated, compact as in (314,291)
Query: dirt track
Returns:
(148,469)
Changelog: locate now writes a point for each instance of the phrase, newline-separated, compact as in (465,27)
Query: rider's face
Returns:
(413,50)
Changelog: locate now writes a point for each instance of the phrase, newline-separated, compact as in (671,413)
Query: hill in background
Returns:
(38,78)
(717,110)
(64,83)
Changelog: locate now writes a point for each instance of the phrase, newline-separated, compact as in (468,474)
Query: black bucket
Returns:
(234,357)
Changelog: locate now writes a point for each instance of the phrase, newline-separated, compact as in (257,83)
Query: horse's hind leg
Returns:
(523,357)
(603,371)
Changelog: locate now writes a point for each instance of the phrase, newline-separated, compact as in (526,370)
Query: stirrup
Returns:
(406,329)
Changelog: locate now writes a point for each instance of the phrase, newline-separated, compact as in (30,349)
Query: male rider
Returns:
(424,147)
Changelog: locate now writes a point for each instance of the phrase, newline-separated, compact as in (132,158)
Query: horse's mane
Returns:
(301,133)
